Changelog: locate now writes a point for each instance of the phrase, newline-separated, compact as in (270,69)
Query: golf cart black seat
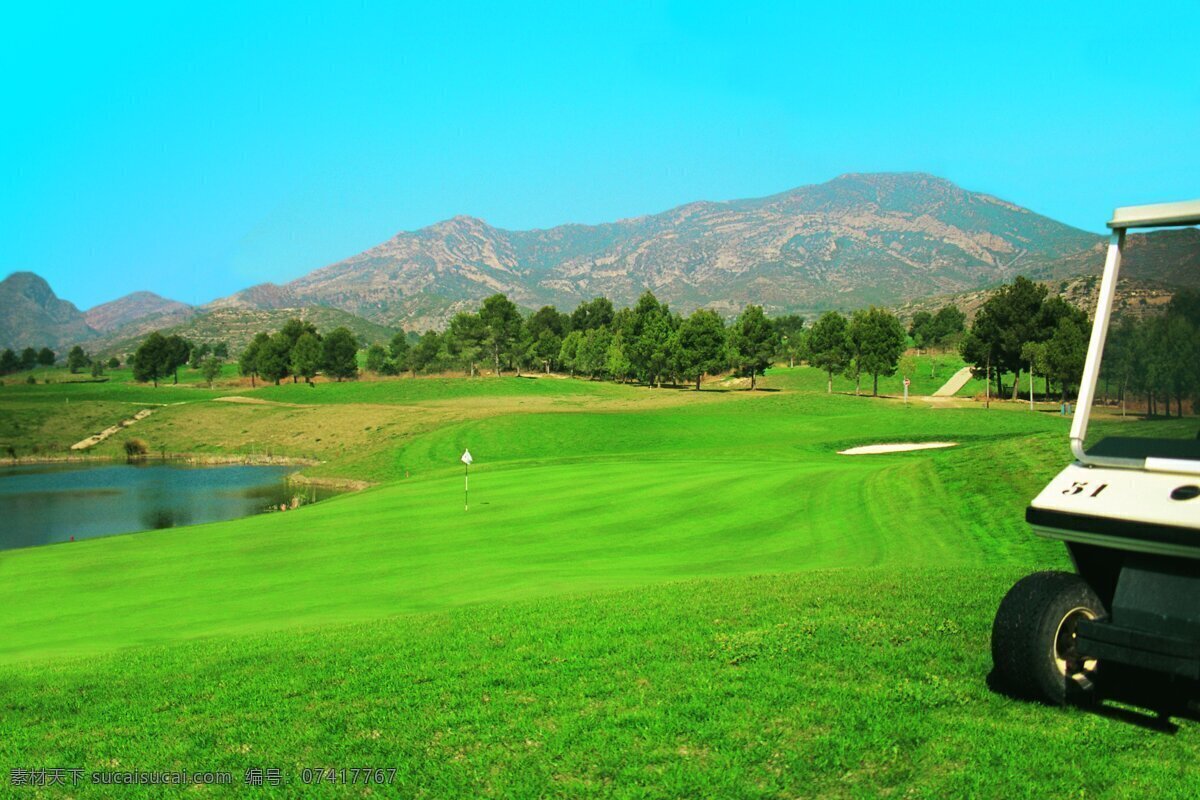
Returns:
(1145,447)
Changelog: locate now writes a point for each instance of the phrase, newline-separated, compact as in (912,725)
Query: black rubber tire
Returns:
(1025,630)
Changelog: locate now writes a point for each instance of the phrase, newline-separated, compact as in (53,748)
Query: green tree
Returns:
(248,360)
(377,359)
(28,358)
(114,362)
(877,340)
(294,328)
(597,313)
(399,349)
(210,369)
(275,358)
(616,362)
(1034,356)
(502,320)
(176,351)
(647,332)
(948,324)
(702,345)
(199,353)
(221,350)
(789,330)
(568,353)
(467,340)
(657,347)
(150,361)
(592,356)
(46,357)
(291,332)
(306,356)
(1065,353)
(922,330)
(9,362)
(1120,360)
(424,356)
(828,345)
(97,368)
(1010,317)
(77,359)
(339,354)
(547,327)
(752,341)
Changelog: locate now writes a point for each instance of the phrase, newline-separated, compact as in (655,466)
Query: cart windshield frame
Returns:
(1159,215)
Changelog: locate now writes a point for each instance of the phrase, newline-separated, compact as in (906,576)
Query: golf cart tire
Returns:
(1030,621)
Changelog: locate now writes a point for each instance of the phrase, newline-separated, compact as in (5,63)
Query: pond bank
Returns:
(207,459)
(248,459)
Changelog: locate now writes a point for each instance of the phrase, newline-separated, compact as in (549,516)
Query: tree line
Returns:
(869,342)
(647,343)
(77,360)
(159,356)
(1156,357)
(1020,327)
(27,359)
(297,350)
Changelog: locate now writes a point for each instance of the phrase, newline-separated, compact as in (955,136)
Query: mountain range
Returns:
(859,239)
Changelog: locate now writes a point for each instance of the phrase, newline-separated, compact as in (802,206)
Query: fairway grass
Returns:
(655,593)
(561,502)
(840,683)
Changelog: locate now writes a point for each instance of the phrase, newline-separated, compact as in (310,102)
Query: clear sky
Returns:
(196,149)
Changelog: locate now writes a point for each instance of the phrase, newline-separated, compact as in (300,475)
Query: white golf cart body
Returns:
(1128,508)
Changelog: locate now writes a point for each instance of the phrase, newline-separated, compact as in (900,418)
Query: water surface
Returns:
(44,503)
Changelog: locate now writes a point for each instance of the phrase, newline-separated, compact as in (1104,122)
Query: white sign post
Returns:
(466,459)
(906,391)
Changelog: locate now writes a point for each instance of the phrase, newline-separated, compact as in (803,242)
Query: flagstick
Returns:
(466,460)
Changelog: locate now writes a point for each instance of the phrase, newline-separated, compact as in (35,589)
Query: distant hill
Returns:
(133,307)
(236,326)
(858,239)
(1134,296)
(31,315)
(1153,266)
(1169,257)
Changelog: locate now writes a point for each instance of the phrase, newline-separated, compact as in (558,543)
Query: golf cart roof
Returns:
(1156,216)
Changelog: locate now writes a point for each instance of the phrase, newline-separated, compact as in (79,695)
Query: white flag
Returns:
(466,457)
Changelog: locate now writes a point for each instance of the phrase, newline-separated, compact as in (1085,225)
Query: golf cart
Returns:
(1128,510)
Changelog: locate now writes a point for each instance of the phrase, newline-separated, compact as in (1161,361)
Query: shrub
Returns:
(135,449)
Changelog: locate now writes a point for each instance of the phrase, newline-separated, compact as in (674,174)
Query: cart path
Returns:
(96,439)
(956,382)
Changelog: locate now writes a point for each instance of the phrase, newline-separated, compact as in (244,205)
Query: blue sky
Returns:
(196,149)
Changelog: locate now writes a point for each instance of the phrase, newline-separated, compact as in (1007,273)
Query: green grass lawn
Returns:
(836,683)
(655,593)
(929,374)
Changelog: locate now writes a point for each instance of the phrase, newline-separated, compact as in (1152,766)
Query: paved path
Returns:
(92,441)
(956,382)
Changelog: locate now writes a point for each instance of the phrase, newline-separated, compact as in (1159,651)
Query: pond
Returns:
(44,503)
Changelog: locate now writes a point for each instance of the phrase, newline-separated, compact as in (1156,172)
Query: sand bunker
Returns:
(902,447)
